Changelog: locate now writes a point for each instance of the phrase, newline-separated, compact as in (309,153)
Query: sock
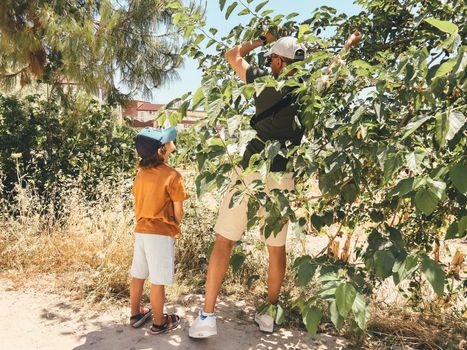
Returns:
(204,315)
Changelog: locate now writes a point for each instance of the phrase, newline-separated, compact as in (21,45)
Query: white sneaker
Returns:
(265,322)
(203,328)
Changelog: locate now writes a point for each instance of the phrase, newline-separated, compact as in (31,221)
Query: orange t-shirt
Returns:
(155,190)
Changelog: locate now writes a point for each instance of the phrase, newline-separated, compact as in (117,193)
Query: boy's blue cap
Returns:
(149,140)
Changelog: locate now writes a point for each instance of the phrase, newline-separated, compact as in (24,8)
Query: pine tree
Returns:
(104,45)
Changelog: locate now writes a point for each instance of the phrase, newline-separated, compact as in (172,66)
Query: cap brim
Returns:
(267,54)
(169,134)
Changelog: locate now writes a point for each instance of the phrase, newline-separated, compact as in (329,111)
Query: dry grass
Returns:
(400,327)
(89,244)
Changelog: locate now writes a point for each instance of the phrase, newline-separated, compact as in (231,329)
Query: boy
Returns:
(159,194)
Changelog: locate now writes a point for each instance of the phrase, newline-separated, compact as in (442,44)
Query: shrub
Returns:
(47,144)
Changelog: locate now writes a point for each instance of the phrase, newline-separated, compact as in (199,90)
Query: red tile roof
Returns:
(139,124)
(147,106)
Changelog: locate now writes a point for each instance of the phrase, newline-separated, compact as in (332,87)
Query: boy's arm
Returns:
(178,212)
(235,55)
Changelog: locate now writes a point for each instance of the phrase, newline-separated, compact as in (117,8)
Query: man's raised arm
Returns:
(235,55)
(351,41)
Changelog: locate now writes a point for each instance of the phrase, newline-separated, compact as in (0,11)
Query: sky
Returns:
(190,76)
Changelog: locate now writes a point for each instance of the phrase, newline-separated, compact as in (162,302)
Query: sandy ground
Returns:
(34,319)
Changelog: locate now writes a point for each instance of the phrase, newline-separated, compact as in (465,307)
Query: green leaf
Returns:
(230,9)
(403,187)
(345,296)
(199,39)
(214,108)
(463,224)
(265,13)
(349,193)
(445,68)
(306,271)
(222,4)
(414,125)
(188,31)
(259,87)
(360,310)
(236,261)
(175,5)
(243,12)
(312,319)
(176,17)
(404,269)
(248,91)
(457,229)
(233,124)
(302,30)
(437,187)
(197,98)
(280,314)
(261,5)
(458,177)
(336,318)
(384,261)
(426,201)
(434,274)
(292,15)
(392,164)
(362,64)
(447,126)
(358,114)
(445,26)
(272,149)
(414,159)
(236,198)
(265,308)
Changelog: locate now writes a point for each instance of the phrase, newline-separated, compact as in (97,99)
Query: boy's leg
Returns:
(160,255)
(139,272)
(136,291)
(276,272)
(157,297)
(217,267)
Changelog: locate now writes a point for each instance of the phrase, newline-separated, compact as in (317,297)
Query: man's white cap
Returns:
(287,47)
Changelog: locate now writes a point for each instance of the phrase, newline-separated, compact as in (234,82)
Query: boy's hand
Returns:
(353,39)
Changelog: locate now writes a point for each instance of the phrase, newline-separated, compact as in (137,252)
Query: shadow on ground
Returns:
(236,331)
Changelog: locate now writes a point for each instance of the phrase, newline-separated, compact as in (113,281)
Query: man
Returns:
(273,121)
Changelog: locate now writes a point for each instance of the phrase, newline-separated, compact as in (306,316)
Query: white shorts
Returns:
(153,257)
(231,222)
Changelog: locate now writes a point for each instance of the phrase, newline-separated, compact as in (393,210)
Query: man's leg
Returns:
(276,244)
(217,267)
(276,272)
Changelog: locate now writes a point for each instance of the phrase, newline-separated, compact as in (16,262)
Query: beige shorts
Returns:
(231,222)
(153,257)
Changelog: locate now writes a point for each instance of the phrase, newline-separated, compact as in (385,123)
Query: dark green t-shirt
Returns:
(279,125)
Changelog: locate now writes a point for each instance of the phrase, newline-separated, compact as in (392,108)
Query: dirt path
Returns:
(33,319)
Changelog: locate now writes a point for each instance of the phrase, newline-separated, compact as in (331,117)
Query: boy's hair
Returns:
(153,161)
